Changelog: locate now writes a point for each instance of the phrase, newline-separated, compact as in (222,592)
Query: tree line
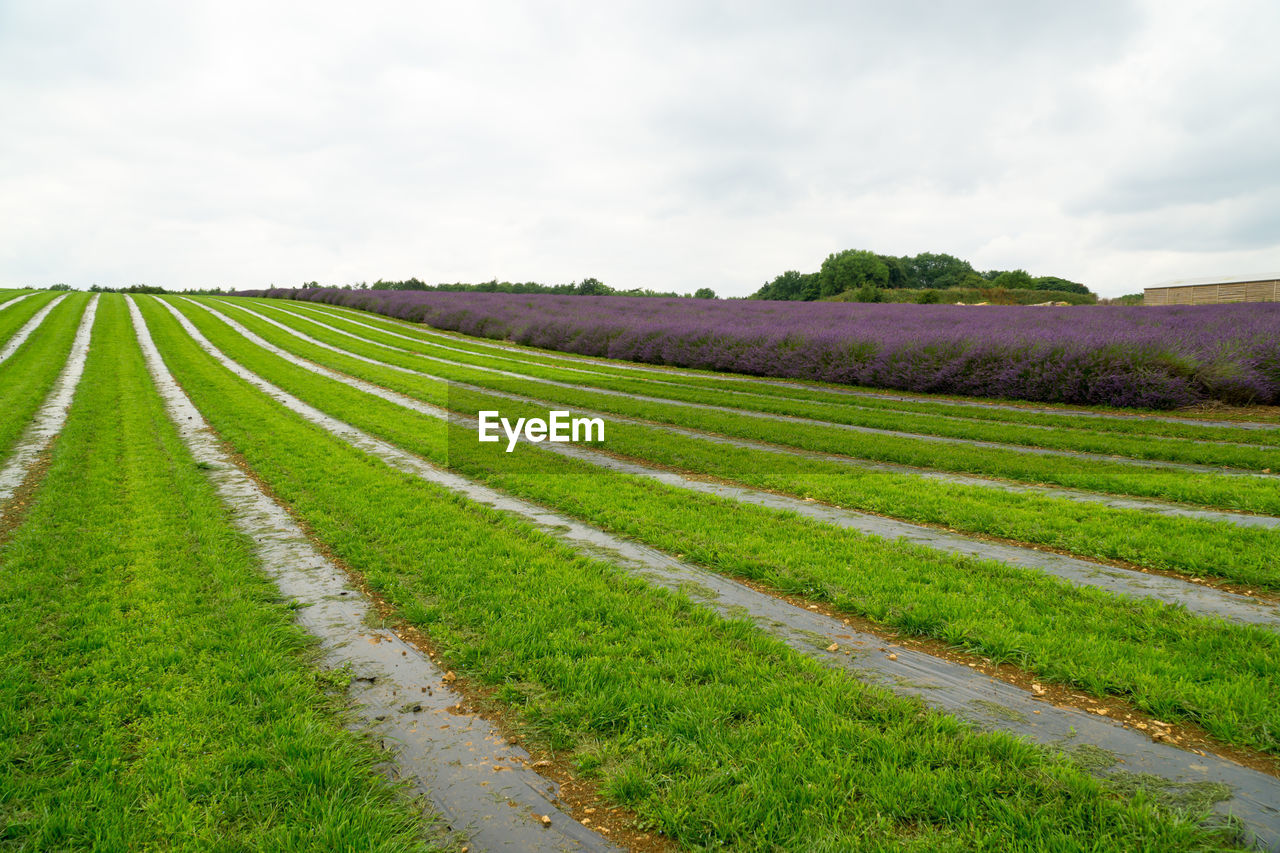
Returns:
(867,272)
(586,287)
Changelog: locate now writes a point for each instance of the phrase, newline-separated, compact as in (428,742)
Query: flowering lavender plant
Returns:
(1154,357)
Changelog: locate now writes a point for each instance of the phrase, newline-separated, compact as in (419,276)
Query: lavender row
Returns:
(1153,357)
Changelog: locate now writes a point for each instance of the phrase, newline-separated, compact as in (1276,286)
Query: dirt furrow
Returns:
(1248,795)
(448,756)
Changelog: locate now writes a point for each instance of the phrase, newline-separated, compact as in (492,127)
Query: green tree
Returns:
(704,293)
(940,271)
(790,285)
(1013,280)
(1052,282)
(592,287)
(897,272)
(851,269)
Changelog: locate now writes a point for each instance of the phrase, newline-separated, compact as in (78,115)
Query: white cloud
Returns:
(662,144)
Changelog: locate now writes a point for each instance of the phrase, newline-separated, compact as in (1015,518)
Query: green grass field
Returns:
(158,693)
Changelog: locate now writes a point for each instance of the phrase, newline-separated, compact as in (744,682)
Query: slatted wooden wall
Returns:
(1214,294)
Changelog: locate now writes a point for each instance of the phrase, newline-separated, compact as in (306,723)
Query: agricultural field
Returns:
(264,586)
(1123,356)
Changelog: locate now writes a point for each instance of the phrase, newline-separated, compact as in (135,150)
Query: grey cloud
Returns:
(1247,224)
(706,142)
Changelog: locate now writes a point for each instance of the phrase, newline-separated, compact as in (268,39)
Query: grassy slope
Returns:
(710,731)
(1132,420)
(6,295)
(1235,493)
(1162,659)
(28,375)
(1194,547)
(13,319)
(154,693)
(844,412)
(1140,439)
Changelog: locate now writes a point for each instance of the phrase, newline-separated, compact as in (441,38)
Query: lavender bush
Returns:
(1153,357)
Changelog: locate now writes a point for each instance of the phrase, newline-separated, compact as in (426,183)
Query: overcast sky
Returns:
(669,145)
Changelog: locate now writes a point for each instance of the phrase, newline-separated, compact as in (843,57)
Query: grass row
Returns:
(7,295)
(873,399)
(27,376)
(154,693)
(1090,474)
(983,508)
(1161,659)
(708,730)
(1198,548)
(1077,440)
(13,319)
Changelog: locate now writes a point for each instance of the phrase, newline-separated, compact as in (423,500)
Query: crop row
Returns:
(1115,355)
(444,751)
(1093,420)
(1115,475)
(1197,598)
(1197,548)
(1086,638)
(705,728)
(27,376)
(154,692)
(1081,439)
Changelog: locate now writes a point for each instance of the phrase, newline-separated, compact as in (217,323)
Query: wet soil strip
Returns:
(906,398)
(1156,507)
(759,394)
(1018,448)
(1197,598)
(15,300)
(52,413)
(20,336)
(1249,795)
(460,762)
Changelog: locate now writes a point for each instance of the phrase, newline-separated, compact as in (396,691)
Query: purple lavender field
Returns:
(1153,357)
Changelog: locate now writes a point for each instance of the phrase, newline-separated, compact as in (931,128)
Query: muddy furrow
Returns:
(461,763)
(20,336)
(429,331)
(1148,505)
(941,684)
(1017,448)
(15,300)
(754,394)
(1204,600)
(52,413)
